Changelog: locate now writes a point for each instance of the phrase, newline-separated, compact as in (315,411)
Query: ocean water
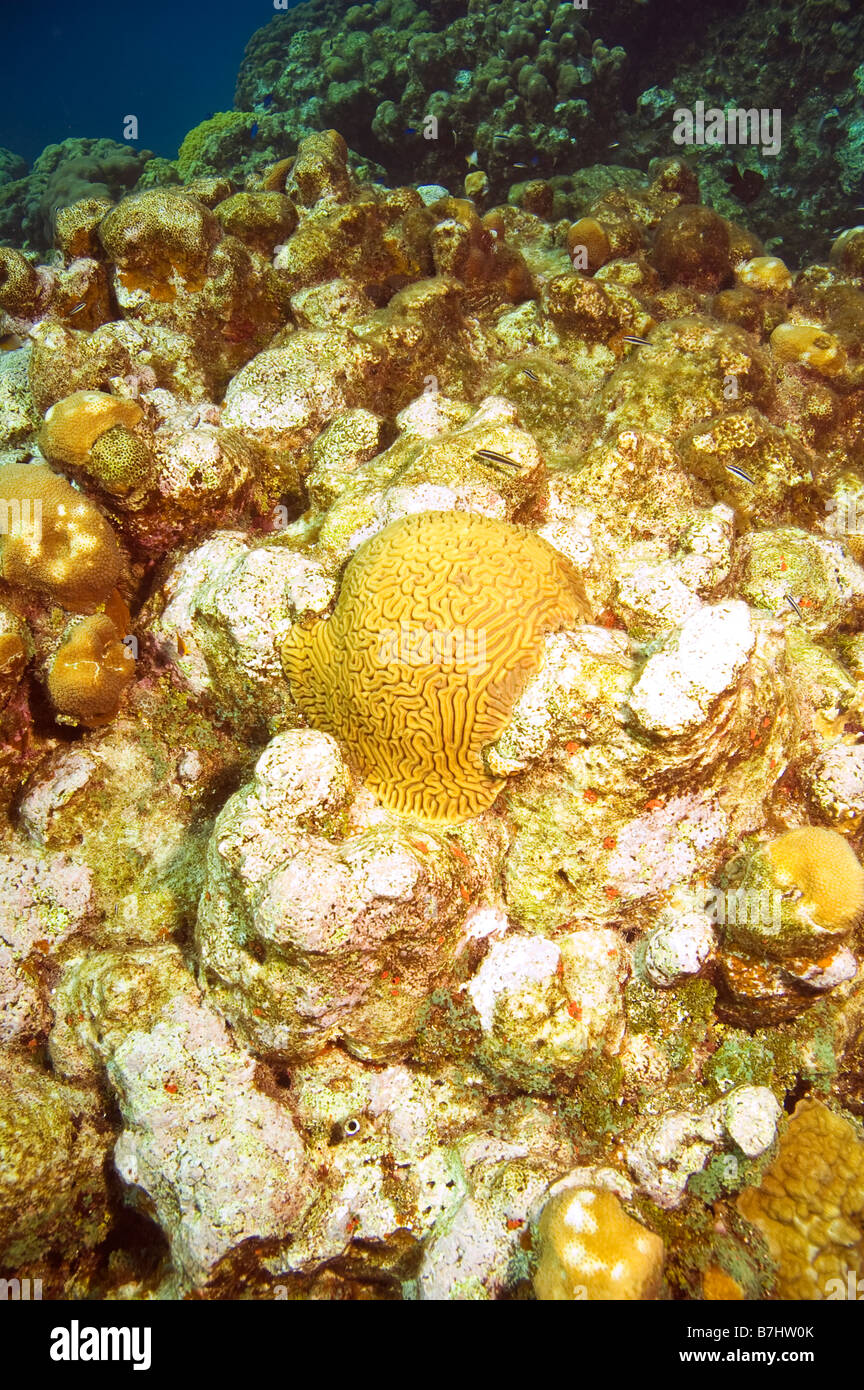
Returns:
(79,70)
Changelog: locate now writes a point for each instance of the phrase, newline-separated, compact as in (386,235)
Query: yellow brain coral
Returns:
(439,622)
(826,870)
(73,425)
(591,1249)
(53,539)
(810,1205)
(90,671)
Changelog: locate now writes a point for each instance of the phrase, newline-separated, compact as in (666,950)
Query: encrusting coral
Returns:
(810,1205)
(438,624)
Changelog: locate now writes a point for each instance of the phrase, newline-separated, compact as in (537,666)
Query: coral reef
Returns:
(431,693)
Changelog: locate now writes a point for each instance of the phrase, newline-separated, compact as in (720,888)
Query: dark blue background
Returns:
(79,69)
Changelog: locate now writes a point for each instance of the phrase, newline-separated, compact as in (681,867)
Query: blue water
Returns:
(80,69)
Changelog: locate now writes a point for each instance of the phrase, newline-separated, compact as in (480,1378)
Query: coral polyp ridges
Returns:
(439,622)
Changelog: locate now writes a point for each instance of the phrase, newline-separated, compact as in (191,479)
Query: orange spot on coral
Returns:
(590,795)
(513,1223)
(459,854)
(612,892)
(574,1010)
(171,1087)
(610,842)
(654,804)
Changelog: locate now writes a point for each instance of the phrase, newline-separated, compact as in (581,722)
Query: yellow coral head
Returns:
(73,425)
(66,550)
(826,871)
(440,621)
(90,672)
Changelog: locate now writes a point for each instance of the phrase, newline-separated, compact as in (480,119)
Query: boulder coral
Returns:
(90,671)
(438,624)
(61,546)
(591,1249)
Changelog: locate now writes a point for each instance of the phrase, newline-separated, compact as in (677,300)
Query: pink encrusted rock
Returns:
(220,1160)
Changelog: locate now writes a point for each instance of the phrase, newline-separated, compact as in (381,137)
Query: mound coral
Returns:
(73,425)
(591,1249)
(89,673)
(192,152)
(810,345)
(438,624)
(19,284)
(65,548)
(822,866)
(788,915)
(810,1205)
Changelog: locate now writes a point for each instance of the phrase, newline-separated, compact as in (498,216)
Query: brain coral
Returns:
(439,622)
(810,1204)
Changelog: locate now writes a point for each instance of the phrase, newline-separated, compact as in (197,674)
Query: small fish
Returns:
(519,164)
(502,137)
(472,159)
(793,605)
(77,309)
(491,456)
(532,375)
(635,339)
(410,130)
(739,473)
(266,101)
(615,144)
(254,130)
